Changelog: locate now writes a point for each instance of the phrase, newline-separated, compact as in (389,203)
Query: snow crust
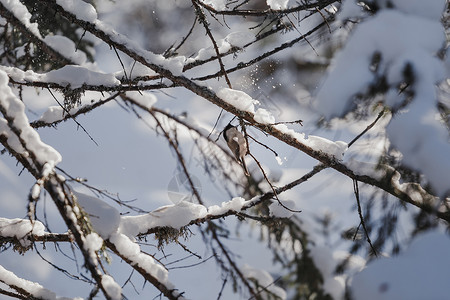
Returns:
(15,108)
(34,289)
(417,273)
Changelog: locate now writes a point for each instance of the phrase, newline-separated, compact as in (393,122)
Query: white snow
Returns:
(144,99)
(337,149)
(217,4)
(132,251)
(16,111)
(421,272)
(21,229)
(393,34)
(34,289)
(235,204)
(112,288)
(176,215)
(240,38)
(104,218)
(76,76)
(92,243)
(325,261)
(410,34)
(265,281)
(277,4)
(238,99)
(264,116)
(66,47)
(82,10)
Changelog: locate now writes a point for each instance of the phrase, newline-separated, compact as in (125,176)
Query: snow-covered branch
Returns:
(322,150)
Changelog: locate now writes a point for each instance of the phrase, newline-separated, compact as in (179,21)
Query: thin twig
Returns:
(356,191)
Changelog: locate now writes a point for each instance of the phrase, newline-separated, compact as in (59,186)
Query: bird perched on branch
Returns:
(237,144)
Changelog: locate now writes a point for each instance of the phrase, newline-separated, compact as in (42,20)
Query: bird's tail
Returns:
(244,166)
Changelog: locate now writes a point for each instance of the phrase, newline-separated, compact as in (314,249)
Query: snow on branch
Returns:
(58,47)
(171,69)
(20,136)
(27,289)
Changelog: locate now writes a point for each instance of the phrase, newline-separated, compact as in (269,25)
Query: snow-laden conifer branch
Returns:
(168,69)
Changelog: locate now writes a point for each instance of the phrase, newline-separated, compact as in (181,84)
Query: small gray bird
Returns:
(237,144)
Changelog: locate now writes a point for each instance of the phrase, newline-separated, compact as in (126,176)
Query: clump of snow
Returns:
(36,290)
(277,4)
(143,99)
(217,4)
(82,10)
(337,149)
(15,110)
(112,288)
(104,218)
(421,272)
(21,229)
(238,99)
(239,39)
(235,204)
(65,47)
(92,243)
(265,281)
(264,116)
(205,53)
(76,76)
(176,215)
